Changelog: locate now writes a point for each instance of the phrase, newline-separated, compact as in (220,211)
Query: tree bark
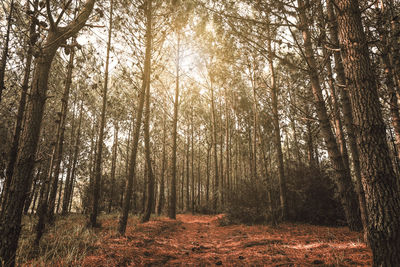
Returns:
(22,102)
(99,159)
(4,55)
(132,166)
(342,176)
(10,222)
(58,153)
(347,116)
(172,200)
(378,177)
(113,168)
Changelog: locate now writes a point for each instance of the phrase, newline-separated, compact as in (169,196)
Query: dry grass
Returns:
(190,240)
(64,244)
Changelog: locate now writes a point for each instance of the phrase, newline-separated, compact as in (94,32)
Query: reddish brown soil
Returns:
(200,241)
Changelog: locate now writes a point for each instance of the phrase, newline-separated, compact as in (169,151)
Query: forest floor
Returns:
(194,240)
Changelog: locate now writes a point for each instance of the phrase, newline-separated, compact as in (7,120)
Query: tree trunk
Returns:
(99,159)
(146,129)
(113,167)
(348,116)
(22,102)
(58,153)
(379,181)
(10,223)
(132,166)
(342,176)
(214,140)
(4,56)
(162,183)
(172,200)
(277,134)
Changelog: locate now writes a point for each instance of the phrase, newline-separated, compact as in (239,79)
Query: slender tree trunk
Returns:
(277,134)
(58,153)
(187,172)
(4,55)
(214,140)
(22,101)
(99,159)
(60,189)
(132,166)
(163,163)
(113,167)
(379,180)
(208,176)
(146,129)
(70,188)
(192,163)
(172,200)
(342,179)
(10,222)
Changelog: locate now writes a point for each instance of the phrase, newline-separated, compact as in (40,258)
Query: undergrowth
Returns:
(65,243)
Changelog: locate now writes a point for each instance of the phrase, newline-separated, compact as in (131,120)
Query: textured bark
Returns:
(4,55)
(58,153)
(172,199)
(10,223)
(70,186)
(277,135)
(379,180)
(22,102)
(342,176)
(99,159)
(347,116)
(146,126)
(146,129)
(138,121)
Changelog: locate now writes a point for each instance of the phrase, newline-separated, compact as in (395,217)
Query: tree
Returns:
(378,177)
(10,221)
(98,163)
(4,54)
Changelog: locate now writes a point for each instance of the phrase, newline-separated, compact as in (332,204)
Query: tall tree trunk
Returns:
(342,176)
(113,167)
(132,165)
(214,141)
(379,180)
(60,138)
(60,189)
(277,133)
(172,200)
(187,172)
(163,163)
(347,116)
(146,129)
(99,159)
(70,186)
(22,102)
(4,55)
(10,222)
(192,162)
(208,175)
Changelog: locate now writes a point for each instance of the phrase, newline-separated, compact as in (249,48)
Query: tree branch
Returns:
(62,12)
(50,16)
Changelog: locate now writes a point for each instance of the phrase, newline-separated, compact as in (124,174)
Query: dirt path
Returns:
(200,241)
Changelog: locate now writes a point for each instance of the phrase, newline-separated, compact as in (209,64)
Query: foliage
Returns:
(312,198)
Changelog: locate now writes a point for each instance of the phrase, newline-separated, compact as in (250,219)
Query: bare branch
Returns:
(62,12)
(50,16)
